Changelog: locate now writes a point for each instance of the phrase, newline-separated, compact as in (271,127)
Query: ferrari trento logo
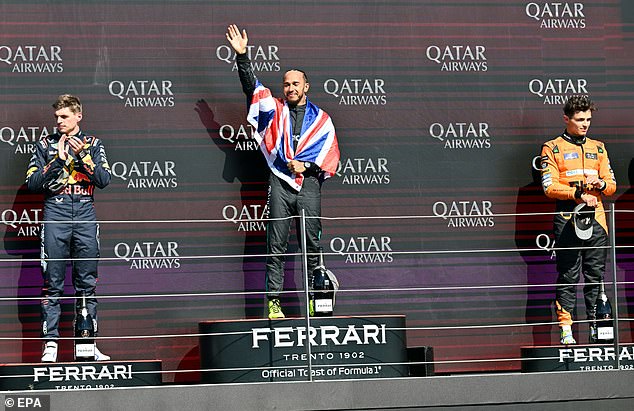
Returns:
(324,335)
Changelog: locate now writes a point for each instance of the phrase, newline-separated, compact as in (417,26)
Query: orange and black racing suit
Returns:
(566,162)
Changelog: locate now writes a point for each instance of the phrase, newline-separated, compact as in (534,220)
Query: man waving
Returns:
(299,143)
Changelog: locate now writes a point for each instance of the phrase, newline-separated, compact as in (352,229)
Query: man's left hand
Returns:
(594,181)
(76,144)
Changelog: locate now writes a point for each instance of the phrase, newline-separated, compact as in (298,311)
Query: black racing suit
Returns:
(284,201)
(69,229)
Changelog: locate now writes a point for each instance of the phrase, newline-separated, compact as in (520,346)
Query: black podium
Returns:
(80,375)
(582,357)
(276,350)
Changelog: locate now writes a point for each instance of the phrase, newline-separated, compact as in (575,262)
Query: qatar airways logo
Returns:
(263,58)
(144,175)
(27,221)
(32,59)
(546,243)
(23,139)
(363,249)
(251,217)
(465,214)
(462,135)
(143,93)
(357,91)
(557,15)
(149,255)
(364,171)
(241,137)
(556,91)
(458,58)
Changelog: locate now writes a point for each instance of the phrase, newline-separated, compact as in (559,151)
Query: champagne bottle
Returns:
(604,323)
(322,297)
(84,333)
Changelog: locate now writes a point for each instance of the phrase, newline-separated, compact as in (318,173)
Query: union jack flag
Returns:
(317,143)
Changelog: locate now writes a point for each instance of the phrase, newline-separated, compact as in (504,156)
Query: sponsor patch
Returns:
(571,156)
(592,156)
(547,180)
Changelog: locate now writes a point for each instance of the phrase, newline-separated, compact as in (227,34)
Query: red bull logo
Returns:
(77,177)
(79,190)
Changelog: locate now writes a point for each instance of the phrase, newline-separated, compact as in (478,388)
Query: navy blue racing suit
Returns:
(70,229)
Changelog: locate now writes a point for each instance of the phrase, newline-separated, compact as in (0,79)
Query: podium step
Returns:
(276,350)
(80,375)
(581,357)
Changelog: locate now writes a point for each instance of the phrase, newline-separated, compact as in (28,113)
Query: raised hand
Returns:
(237,40)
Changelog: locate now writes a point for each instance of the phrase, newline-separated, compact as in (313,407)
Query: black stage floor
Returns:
(561,391)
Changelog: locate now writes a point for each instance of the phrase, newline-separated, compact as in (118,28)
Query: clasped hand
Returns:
(74,144)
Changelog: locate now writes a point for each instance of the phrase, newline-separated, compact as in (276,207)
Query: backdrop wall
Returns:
(440,109)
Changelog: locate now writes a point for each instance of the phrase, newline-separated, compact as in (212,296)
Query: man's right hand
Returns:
(62,148)
(237,40)
(590,200)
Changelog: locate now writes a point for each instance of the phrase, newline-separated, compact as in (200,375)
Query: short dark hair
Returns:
(578,103)
(301,71)
(68,100)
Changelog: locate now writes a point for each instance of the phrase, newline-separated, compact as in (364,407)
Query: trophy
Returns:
(602,328)
(324,286)
(84,333)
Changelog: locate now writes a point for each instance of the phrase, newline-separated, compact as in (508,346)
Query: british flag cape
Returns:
(317,143)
